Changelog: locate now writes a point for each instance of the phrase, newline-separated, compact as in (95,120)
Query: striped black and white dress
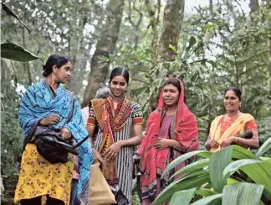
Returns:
(124,159)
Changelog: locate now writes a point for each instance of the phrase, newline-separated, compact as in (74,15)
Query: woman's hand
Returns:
(212,143)
(50,120)
(97,156)
(227,142)
(113,150)
(162,143)
(65,133)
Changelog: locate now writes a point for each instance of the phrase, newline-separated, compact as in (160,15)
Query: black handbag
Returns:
(50,143)
(120,198)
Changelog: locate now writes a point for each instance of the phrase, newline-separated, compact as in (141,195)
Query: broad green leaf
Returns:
(218,161)
(207,199)
(14,52)
(242,153)
(192,167)
(260,173)
(242,193)
(232,181)
(234,166)
(205,192)
(187,182)
(182,158)
(182,196)
(11,13)
(266,146)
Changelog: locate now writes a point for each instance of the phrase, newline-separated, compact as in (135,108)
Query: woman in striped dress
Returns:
(120,130)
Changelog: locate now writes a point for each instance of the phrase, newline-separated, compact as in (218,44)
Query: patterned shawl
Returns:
(110,121)
(184,130)
(39,102)
(236,128)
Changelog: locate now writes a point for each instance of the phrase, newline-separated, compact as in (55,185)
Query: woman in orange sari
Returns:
(225,129)
(170,132)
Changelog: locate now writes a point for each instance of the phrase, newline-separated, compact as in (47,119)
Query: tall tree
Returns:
(105,46)
(172,23)
(253,5)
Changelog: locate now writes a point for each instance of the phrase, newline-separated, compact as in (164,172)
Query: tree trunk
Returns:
(168,42)
(105,46)
(253,5)
(153,23)
(211,6)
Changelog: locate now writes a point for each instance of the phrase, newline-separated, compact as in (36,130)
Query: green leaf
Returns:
(182,196)
(242,193)
(192,167)
(232,181)
(234,166)
(260,173)
(11,13)
(218,161)
(266,146)
(191,181)
(205,192)
(14,52)
(207,199)
(242,153)
(184,157)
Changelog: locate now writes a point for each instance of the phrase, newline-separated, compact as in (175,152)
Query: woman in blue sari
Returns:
(47,103)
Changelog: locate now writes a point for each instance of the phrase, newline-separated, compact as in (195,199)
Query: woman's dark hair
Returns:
(118,71)
(173,81)
(237,92)
(55,59)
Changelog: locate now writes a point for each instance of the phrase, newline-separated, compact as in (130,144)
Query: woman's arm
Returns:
(114,149)
(252,142)
(90,128)
(97,155)
(136,140)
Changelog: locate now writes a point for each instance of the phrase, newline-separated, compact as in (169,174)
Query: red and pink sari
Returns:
(183,129)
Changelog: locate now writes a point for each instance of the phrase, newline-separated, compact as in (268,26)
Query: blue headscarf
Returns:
(39,102)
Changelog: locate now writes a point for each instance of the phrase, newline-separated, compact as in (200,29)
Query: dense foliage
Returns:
(222,44)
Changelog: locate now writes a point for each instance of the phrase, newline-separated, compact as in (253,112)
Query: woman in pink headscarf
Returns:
(170,132)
